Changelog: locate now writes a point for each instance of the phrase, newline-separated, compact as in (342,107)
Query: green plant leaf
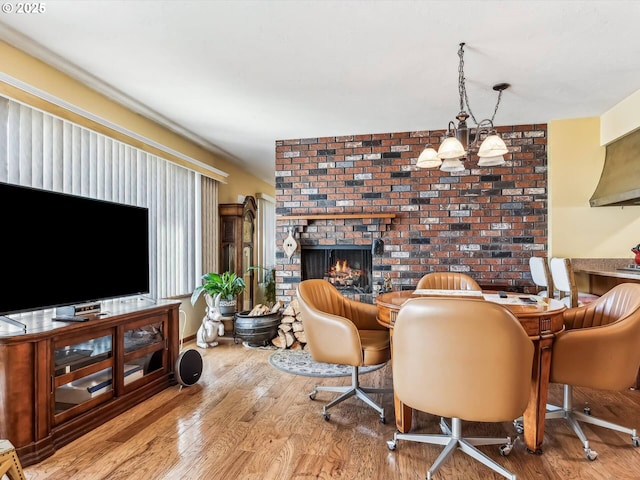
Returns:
(228,284)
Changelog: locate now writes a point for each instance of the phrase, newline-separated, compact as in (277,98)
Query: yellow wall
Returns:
(243,184)
(577,230)
(621,119)
(35,73)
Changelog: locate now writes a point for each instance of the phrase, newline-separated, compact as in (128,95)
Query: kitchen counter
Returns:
(606,266)
(602,274)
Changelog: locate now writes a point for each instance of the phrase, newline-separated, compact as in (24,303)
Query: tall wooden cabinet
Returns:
(237,249)
(60,380)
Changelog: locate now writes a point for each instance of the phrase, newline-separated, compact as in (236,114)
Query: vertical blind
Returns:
(40,150)
(210,227)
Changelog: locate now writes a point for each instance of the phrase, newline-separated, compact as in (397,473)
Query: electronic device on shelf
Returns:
(78,310)
(70,318)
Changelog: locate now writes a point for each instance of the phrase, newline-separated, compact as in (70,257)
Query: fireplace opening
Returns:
(348,267)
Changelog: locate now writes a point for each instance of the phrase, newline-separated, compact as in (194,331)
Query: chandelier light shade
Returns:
(451,148)
(428,158)
(458,143)
(492,151)
(491,146)
(452,165)
(491,161)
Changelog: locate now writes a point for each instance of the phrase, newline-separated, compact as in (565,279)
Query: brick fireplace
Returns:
(351,190)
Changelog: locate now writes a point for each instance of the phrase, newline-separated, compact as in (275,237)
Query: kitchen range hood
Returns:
(620,179)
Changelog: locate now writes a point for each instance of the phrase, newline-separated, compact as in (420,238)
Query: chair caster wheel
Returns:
(312,395)
(587,410)
(591,455)
(635,441)
(391,445)
(519,427)
(505,450)
(326,416)
(383,420)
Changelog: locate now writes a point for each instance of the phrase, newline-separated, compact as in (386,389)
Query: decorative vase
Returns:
(636,251)
(227,307)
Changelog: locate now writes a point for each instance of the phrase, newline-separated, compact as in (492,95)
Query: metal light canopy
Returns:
(457,145)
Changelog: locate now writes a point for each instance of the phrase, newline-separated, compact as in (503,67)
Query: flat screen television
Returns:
(59,249)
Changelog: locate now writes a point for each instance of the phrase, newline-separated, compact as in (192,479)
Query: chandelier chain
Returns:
(462,90)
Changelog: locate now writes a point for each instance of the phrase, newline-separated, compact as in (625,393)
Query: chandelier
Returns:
(458,143)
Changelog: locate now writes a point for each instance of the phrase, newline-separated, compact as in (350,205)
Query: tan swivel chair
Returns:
(465,359)
(343,331)
(541,276)
(9,463)
(564,281)
(447,281)
(599,349)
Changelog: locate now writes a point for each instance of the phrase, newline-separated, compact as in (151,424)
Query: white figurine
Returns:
(211,323)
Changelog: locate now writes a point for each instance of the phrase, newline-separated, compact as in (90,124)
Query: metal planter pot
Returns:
(257,330)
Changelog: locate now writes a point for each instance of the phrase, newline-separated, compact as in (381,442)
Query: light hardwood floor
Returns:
(246,420)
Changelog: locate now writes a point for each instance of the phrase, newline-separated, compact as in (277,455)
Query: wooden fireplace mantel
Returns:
(336,216)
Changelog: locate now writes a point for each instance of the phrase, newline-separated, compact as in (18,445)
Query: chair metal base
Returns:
(573,417)
(452,439)
(350,391)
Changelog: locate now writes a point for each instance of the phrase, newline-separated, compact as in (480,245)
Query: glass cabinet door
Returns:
(82,371)
(145,349)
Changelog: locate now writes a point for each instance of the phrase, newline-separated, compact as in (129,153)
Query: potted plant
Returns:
(227,284)
(268,283)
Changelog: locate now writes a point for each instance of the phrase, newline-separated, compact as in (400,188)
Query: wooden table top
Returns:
(542,307)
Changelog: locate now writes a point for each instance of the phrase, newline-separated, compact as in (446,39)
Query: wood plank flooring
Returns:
(246,420)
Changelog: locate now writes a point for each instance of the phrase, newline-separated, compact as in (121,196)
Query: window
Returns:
(44,151)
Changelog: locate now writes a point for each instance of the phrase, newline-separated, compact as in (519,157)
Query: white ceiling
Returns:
(239,75)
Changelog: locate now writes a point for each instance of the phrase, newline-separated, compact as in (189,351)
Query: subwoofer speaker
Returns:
(189,367)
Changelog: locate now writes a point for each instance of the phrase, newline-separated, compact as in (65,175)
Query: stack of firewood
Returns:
(261,309)
(290,331)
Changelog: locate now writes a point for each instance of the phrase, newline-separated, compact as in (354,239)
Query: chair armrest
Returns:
(576,318)
(605,357)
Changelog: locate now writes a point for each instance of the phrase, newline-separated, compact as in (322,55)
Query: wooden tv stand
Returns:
(60,380)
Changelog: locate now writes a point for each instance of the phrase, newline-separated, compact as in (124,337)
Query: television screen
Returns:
(58,249)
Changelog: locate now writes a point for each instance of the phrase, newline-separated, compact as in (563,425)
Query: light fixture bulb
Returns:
(428,158)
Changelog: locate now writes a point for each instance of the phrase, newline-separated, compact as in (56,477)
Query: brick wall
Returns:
(485,222)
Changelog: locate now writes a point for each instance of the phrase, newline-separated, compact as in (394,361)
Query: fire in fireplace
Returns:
(348,267)
(343,275)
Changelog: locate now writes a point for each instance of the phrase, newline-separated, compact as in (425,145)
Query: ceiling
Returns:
(238,75)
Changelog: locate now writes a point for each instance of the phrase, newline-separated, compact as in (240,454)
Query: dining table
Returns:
(540,317)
